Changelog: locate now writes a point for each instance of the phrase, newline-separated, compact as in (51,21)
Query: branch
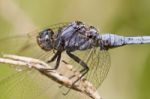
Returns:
(82,86)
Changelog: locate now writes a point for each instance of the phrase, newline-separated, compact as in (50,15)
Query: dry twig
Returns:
(84,86)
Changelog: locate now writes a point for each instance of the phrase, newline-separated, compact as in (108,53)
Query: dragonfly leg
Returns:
(78,60)
(83,71)
(56,56)
(58,61)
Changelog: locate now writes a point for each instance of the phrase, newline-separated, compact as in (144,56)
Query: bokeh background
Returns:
(128,77)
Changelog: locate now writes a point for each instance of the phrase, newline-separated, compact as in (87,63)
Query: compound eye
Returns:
(46,38)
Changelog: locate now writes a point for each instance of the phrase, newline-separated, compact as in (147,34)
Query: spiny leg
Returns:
(83,71)
(78,60)
(56,56)
(58,61)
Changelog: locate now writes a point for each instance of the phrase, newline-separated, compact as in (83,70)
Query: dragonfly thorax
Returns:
(45,39)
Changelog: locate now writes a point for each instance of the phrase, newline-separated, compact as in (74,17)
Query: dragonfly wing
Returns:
(27,84)
(58,25)
(98,62)
(71,95)
(26,44)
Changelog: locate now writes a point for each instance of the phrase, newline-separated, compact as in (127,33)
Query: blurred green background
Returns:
(128,77)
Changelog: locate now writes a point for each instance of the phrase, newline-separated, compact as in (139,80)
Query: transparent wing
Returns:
(26,44)
(28,84)
(98,62)
(58,25)
(71,95)
(54,27)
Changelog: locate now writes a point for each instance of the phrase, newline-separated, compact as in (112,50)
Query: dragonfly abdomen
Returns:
(137,40)
(113,40)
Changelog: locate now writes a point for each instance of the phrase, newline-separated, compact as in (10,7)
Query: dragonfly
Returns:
(76,36)
(85,47)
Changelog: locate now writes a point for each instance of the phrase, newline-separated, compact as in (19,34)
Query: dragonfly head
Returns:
(45,39)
